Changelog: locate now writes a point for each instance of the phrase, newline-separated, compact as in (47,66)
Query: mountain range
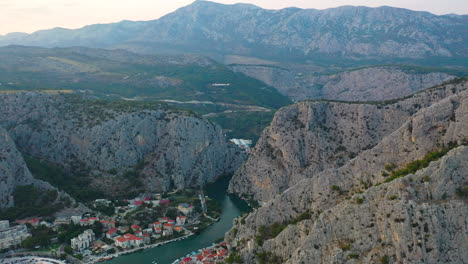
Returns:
(345,35)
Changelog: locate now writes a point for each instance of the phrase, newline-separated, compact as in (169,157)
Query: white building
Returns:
(181,220)
(83,241)
(76,219)
(4,224)
(12,236)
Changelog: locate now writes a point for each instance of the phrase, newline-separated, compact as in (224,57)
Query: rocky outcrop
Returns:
(164,148)
(13,170)
(356,213)
(309,137)
(366,84)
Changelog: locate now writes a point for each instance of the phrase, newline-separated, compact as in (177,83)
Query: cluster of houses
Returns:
(164,227)
(215,254)
(12,236)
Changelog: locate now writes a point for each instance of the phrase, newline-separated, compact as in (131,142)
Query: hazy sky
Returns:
(32,15)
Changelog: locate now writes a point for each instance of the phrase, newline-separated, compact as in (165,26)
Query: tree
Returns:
(68,250)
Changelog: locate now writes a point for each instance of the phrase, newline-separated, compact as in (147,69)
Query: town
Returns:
(111,228)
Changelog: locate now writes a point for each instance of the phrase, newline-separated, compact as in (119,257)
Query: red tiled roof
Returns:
(131,237)
(138,202)
(136,227)
(93,219)
(157,228)
(121,239)
(84,220)
(156,223)
(168,225)
(112,231)
(199,257)
(206,252)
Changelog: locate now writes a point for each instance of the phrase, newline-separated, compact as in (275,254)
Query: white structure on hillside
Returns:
(12,236)
(83,241)
(245,144)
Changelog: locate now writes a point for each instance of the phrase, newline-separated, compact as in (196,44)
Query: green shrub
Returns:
(359,200)
(393,197)
(384,260)
(336,188)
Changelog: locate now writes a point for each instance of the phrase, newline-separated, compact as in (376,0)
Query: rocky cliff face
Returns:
(165,148)
(314,136)
(355,213)
(13,170)
(367,84)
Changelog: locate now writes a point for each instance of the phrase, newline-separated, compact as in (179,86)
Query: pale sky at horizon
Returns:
(32,15)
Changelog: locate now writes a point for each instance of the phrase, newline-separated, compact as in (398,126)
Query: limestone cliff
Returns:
(13,170)
(110,140)
(365,84)
(312,136)
(357,213)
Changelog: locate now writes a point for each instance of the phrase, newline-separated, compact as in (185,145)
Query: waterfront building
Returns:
(12,236)
(185,208)
(83,241)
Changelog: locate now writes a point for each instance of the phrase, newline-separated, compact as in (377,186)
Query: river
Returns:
(232,207)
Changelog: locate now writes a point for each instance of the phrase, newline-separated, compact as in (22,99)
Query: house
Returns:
(185,208)
(83,241)
(4,224)
(158,230)
(170,221)
(138,233)
(138,203)
(181,220)
(178,229)
(12,236)
(133,240)
(136,227)
(163,219)
(168,226)
(157,224)
(123,229)
(62,221)
(108,224)
(111,233)
(146,238)
(167,232)
(34,222)
(85,222)
(148,230)
(92,220)
(121,242)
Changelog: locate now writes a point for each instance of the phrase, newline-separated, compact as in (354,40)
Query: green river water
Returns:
(232,207)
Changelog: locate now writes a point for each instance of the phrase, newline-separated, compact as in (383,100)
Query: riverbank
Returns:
(118,254)
(232,207)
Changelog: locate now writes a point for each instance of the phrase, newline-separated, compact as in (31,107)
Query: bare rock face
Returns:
(367,84)
(172,149)
(314,136)
(355,214)
(13,170)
